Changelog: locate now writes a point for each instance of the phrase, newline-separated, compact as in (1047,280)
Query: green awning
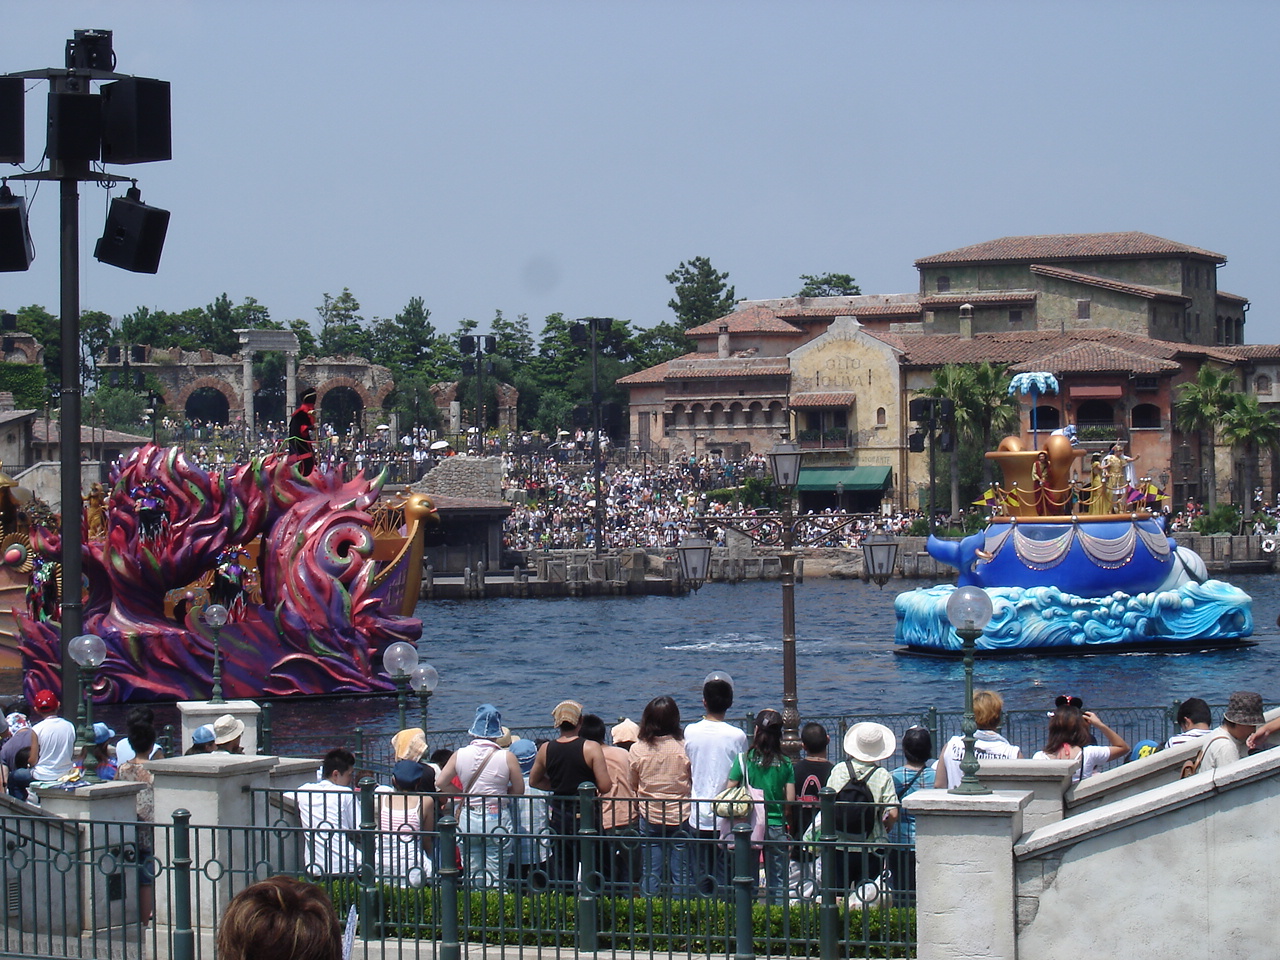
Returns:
(853,478)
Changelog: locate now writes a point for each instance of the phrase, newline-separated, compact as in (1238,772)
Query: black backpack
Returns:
(856,808)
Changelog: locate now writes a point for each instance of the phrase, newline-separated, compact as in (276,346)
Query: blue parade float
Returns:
(1067,578)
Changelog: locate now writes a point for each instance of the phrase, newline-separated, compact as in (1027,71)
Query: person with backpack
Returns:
(866,804)
(915,774)
(811,773)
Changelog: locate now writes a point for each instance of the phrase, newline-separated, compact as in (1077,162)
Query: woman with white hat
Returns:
(865,744)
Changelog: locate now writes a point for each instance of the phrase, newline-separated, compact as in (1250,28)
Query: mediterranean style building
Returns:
(1121,319)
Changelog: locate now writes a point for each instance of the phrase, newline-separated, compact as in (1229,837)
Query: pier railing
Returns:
(1026,728)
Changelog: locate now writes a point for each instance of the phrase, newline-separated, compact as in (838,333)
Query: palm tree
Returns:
(1200,407)
(983,408)
(1247,426)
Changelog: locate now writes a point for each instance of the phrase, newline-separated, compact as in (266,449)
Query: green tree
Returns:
(1200,407)
(47,329)
(829,285)
(982,407)
(701,293)
(1251,429)
(406,342)
(515,339)
(158,328)
(658,344)
(116,408)
(96,330)
(342,329)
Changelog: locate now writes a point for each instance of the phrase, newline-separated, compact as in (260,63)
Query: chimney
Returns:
(6,401)
(723,342)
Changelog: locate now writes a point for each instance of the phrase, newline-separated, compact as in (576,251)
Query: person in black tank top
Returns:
(561,765)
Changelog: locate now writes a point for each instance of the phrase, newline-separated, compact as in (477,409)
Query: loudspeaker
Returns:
(134,235)
(113,354)
(12,121)
(135,121)
(75,126)
(16,252)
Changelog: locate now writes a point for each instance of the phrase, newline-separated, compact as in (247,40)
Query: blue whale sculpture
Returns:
(1089,557)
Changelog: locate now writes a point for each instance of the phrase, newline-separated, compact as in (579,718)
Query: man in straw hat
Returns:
(865,745)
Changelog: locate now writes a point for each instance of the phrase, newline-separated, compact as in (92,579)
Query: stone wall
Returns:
(477,477)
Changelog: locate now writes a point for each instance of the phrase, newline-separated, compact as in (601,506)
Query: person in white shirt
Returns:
(53,740)
(1193,719)
(988,711)
(712,745)
(327,809)
(1229,742)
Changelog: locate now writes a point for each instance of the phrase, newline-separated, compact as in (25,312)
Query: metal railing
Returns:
(84,889)
(1025,728)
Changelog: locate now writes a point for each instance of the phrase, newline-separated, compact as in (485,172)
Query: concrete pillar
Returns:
(108,851)
(290,382)
(215,788)
(965,873)
(196,713)
(249,432)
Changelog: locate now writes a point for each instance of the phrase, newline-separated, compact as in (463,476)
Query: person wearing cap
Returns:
(406,817)
(619,860)
(529,818)
(489,774)
(327,809)
(227,731)
(53,738)
(201,740)
(101,747)
(865,745)
(712,744)
(1230,741)
(988,711)
(561,765)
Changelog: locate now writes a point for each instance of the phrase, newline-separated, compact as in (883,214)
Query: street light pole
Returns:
(785,463)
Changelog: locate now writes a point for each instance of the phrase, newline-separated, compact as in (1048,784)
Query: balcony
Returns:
(833,439)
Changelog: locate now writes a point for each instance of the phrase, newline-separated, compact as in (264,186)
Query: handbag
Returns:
(732,803)
(752,801)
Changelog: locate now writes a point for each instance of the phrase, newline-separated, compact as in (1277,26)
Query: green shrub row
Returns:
(642,925)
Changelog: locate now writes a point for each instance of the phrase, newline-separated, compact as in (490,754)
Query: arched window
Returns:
(1146,416)
(1047,417)
(753,413)
(881,417)
(1262,385)
(695,414)
(715,414)
(1095,413)
(734,416)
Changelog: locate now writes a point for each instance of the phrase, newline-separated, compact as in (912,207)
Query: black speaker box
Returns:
(15,242)
(75,126)
(134,236)
(135,121)
(12,121)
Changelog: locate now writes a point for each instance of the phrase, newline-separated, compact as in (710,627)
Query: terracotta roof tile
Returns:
(1106,283)
(750,320)
(979,298)
(1017,346)
(654,374)
(823,399)
(712,366)
(1256,351)
(1223,295)
(1093,357)
(1070,246)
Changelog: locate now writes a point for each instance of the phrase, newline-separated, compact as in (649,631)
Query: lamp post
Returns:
(784,462)
(969,610)
(424,678)
(398,660)
(88,652)
(215,615)
(578,334)
(879,553)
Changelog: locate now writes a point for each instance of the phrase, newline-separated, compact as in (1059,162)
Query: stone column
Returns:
(965,873)
(248,396)
(215,788)
(290,383)
(102,814)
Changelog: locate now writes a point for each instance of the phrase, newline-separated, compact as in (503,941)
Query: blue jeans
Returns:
(664,858)
(777,860)
(486,836)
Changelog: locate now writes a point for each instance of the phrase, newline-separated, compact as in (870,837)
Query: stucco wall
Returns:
(477,477)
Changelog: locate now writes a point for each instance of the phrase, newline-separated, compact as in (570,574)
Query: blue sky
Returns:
(551,156)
